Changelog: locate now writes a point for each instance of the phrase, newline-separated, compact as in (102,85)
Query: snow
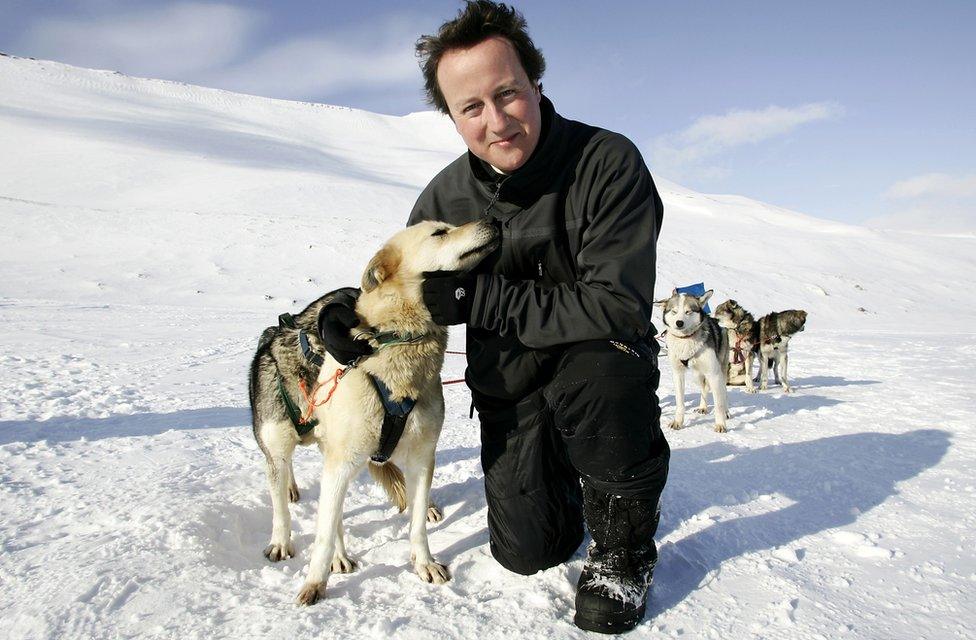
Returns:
(151,230)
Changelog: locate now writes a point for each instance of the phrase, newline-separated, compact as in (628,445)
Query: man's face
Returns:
(494,105)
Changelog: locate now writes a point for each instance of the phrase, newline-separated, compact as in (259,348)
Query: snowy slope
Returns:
(152,229)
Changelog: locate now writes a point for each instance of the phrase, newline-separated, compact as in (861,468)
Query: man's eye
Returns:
(469,109)
(439,232)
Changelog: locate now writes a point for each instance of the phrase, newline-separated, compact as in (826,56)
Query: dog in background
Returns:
(743,333)
(775,331)
(696,341)
(301,395)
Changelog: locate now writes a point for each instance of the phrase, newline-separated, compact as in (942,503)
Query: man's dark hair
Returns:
(476,22)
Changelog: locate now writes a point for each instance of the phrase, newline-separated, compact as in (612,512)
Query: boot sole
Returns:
(604,623)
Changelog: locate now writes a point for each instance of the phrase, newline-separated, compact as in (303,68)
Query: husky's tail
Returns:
(389,476)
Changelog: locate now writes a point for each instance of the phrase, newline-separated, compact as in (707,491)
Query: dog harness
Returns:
(394,420)
(394,413)
(739,356)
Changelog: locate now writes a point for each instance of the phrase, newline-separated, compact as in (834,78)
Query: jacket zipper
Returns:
(494,197)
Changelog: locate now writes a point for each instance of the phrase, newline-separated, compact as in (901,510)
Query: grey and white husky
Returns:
(743,331)
(775,331)
(696,341)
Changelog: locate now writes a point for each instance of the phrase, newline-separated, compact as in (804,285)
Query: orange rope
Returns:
(310,397)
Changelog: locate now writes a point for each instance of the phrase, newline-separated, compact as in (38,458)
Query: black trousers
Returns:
(596,421)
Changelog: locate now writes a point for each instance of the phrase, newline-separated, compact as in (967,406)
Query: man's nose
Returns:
(497,119)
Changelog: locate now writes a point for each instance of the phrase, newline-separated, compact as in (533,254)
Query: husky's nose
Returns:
(679,324)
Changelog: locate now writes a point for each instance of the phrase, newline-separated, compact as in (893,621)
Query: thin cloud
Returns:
(223,46)
(713,135)
(321,63)
(175,41)
(935,202)
(934,185)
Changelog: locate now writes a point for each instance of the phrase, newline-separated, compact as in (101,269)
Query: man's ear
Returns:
(382,267)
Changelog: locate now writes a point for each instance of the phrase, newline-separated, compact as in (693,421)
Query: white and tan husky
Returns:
(696,341)
(349,409)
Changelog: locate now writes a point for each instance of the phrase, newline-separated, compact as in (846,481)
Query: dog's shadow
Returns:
(828,483)
(751,407)
(816,382)
(66,429)
(457,501)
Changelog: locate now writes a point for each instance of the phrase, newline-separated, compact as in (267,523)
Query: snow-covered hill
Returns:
(152,229)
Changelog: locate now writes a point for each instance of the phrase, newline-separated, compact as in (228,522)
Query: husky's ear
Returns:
(661,303)
(674,291)
(704,297)
(383,265)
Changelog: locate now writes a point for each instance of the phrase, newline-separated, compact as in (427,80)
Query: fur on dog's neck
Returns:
(402,367)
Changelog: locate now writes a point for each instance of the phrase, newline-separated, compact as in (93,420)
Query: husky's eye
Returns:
(439,232)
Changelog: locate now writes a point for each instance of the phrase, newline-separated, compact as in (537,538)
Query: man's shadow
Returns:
(827,483)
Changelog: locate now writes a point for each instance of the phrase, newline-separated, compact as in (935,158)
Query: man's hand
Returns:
(335,321)
(448,295)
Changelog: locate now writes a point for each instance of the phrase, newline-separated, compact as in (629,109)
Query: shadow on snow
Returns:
(830,482)
(65,429)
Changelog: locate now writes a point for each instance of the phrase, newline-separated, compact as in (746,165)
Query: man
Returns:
(562,364)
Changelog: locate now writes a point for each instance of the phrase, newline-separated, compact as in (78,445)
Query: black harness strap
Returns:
(394,420)
(310,355)
(293,413)
(287,321)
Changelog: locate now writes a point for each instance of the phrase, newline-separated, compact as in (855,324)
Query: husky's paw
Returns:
(311,593)
(762,386)
(674,424)
(750,389)
(719,428)
(702,410)
(433,572)
(434,513)
(293,493)
(787,389)
(343,564)
(279,551)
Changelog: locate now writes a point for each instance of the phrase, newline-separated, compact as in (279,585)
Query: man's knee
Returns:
(532,533)
(535,517)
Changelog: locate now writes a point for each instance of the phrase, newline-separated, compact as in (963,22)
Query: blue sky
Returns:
(844,110)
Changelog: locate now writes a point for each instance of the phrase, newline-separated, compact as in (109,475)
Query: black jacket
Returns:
(579,231)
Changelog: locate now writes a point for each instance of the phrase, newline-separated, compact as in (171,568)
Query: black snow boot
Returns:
(611,595)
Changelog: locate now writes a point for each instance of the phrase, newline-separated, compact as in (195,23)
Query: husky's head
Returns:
(391,281)
(683,312)
(731,315)
(790,321)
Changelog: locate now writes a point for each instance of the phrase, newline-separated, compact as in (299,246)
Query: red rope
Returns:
(452,381)
(310,397)
(457,353)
